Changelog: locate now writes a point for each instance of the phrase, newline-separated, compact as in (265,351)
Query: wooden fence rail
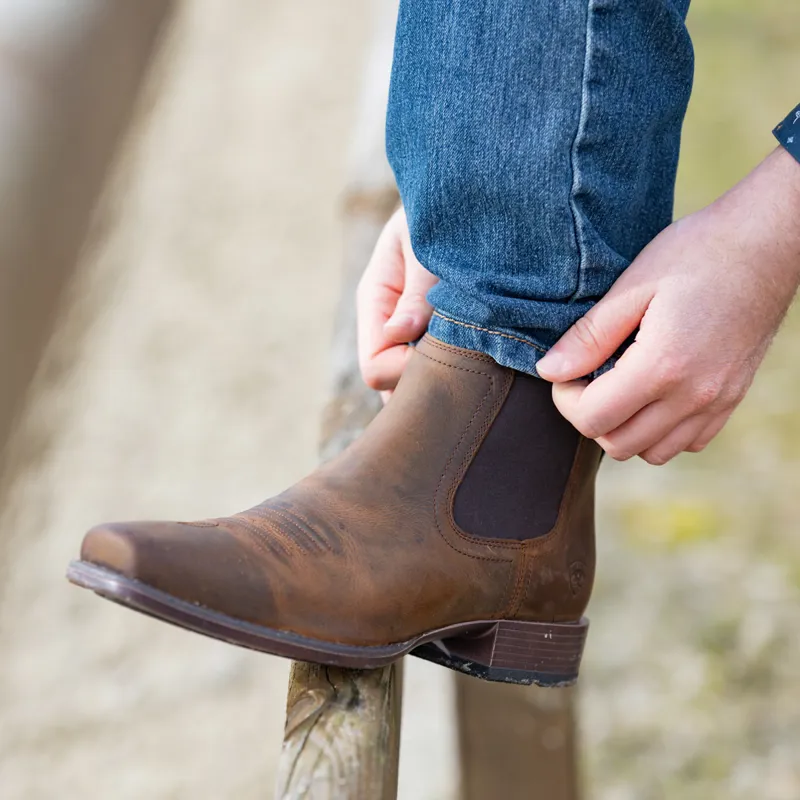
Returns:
(69,77)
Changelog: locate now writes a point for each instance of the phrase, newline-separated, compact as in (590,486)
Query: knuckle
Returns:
(587,333)
(412,301)
(696,447)
(587,426)
(671,371)
(732,394)
(372,377)
(656,459)
(718,394)
(616,451)
(706,393)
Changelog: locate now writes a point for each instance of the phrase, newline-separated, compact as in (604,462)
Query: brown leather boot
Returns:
(459,527)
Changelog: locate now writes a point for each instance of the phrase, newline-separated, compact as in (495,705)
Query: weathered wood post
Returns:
(69,75)
(516,742)
(343,726)
(342,730)
(342,734)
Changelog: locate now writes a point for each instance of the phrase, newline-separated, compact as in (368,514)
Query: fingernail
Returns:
(401,321)
(554,363)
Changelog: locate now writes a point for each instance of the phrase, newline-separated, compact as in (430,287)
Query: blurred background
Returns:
(186,373)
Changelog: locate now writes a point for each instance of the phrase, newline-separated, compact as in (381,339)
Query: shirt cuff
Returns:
(788,133)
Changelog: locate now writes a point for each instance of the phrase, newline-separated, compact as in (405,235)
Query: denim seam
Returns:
(576,175)
(487,330)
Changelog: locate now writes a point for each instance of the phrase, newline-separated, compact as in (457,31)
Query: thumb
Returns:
(596,336)
(413,312)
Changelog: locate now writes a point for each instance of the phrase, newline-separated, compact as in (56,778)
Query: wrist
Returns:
(782,169)
(762,214)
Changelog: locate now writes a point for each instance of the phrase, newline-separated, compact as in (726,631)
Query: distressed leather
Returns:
(365,550)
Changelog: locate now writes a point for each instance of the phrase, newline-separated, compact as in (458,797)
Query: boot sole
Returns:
(509,651)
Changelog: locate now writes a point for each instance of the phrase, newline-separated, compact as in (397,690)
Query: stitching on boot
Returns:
(323,543)
(520,586)
(505,544)
(463,369)
(258,540)
(278,537)
(450,460)
(295,513)
(432,341)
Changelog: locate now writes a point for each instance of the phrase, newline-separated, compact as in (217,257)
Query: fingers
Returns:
(378,292)
(413,312)
(382,370)
(596,336)
(631,411)
(657,433)
(391,306)
(623,426)
(711,429)
(602,406)
(678,440)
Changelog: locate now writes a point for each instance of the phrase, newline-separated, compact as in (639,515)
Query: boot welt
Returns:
(509,651)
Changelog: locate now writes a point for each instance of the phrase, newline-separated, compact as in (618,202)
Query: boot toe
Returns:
(202,563)
(113,546)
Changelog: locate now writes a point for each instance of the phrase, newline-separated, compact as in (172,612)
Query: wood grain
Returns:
(342,734)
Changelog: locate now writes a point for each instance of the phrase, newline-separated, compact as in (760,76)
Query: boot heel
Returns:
(544,653)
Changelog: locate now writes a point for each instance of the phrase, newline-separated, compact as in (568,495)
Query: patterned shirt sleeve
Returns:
(788,133)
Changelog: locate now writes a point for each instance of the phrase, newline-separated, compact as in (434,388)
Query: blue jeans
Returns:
(535,144)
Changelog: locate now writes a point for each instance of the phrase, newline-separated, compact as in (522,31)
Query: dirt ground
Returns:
(186,380)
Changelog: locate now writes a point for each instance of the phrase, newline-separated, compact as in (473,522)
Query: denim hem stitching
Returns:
(487,330)
(580,130)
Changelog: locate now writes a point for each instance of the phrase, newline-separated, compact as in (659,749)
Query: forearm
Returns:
(762,214)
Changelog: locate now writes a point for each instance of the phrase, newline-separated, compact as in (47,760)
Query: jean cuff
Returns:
(507,348)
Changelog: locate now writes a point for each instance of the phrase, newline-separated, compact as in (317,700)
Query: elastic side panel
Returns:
(514,486)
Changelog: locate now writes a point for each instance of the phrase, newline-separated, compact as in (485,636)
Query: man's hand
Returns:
(708,295)
(392,309)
